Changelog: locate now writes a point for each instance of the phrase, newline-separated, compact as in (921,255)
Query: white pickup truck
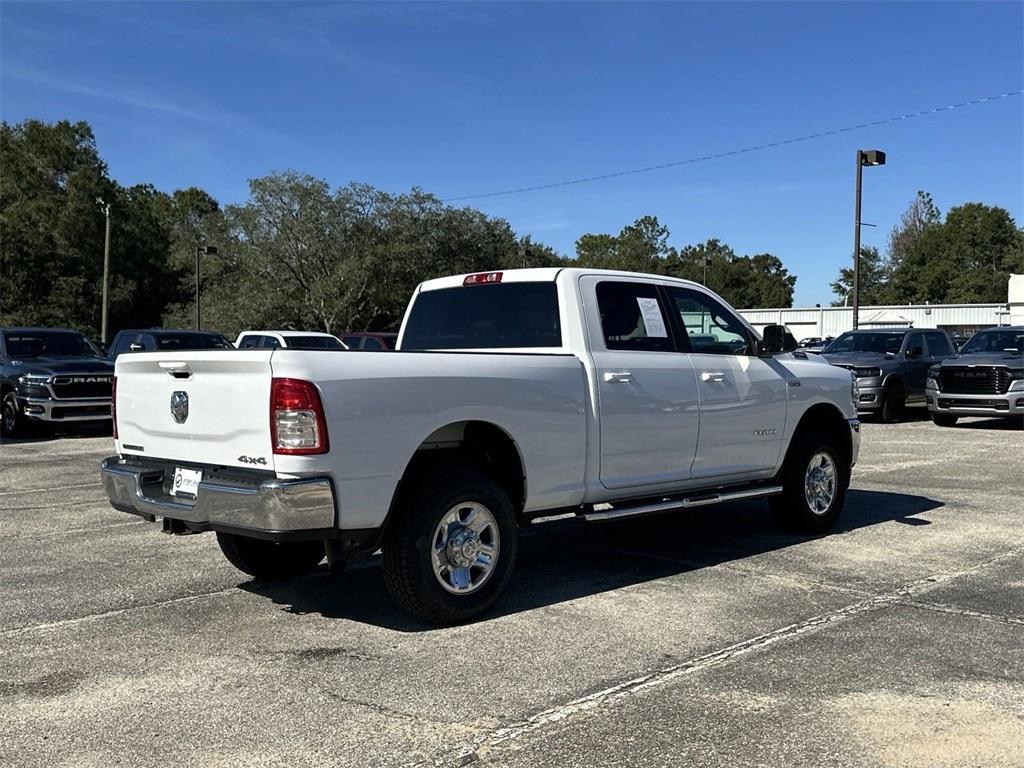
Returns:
(514,395)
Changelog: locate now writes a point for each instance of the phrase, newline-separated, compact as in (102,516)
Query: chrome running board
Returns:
(699,500)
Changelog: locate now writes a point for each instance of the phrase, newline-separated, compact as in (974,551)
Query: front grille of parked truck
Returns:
(975,380)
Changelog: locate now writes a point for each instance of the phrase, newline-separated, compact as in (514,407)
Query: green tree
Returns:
(52,233)
(967,258)
(921,214)
(873,280)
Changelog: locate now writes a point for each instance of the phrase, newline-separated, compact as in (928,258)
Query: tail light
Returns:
(297,423)
(113,404)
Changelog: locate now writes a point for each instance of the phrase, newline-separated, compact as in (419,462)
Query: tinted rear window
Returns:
(498,316)
(313,342)
(192,341)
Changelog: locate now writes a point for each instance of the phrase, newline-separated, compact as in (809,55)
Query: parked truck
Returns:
(51,376)
(513,395)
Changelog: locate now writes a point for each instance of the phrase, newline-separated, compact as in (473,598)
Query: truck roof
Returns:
(541,275)
(289,334)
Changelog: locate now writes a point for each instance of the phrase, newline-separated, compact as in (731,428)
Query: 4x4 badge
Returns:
(179,406)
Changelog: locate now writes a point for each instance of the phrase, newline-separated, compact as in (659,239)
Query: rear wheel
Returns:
(270,559)
(944,419)
(814,481)
(894,402)
(450,552)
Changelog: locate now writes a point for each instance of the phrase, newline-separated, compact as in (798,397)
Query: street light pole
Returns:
(864,157)
(106,268)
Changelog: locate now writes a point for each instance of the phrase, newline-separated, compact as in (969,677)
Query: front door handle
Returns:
(712,376)
(618,376)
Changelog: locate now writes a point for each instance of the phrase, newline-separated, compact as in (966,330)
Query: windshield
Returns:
(313,342)
(499,316)
(1004,340)
(867,342)
(49,344)
(192,341)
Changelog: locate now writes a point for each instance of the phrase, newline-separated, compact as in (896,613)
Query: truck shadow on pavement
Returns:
(566,559)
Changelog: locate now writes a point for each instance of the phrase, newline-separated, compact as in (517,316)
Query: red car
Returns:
(370,342)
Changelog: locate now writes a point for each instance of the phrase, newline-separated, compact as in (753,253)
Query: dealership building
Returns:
(960,320)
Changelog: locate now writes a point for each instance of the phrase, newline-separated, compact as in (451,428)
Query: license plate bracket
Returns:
(186,482)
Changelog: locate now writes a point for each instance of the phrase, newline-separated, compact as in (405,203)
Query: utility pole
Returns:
(105,207)
(864,157)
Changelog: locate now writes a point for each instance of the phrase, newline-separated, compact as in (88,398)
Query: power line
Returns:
(756,148)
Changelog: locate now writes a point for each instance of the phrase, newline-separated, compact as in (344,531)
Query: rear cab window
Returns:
(513,315)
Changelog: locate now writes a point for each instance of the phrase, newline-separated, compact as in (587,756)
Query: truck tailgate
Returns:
(220,413)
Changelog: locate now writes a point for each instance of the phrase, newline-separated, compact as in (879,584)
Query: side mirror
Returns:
(776,339)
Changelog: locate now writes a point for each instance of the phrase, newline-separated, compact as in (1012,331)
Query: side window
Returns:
(915,340)
(269,342)
(250,342)
(352,342)
(938,345)
(371,344)
(710,327)
(632,317)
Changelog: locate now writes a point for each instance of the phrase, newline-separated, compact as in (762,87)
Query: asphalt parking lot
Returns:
(703,638)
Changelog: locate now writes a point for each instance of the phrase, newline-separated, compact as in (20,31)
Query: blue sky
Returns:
(478,97)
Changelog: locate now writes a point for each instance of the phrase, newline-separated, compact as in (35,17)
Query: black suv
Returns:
(51,375)
(890,365)
(161,340)
(985,379)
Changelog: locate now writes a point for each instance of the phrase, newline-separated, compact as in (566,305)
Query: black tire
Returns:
(11,422)
(270,559)
(894,403)
(791,507)
(944,419)
(408,566)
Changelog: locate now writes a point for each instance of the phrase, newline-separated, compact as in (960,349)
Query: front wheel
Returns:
(814,482)
(450,552)
(270,559)
(894,402)
(10,416)
(944,419)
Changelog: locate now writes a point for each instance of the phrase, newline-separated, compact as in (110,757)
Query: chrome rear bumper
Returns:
(263,505)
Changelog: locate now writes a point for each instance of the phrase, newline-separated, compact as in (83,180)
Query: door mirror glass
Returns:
(777,338)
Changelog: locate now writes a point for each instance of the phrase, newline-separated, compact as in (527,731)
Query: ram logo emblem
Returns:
(179,406)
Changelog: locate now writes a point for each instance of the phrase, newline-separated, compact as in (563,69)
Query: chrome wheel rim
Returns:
(820,483)
(465,547)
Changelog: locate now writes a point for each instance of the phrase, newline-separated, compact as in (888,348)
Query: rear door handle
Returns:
(712,376)
(618,376)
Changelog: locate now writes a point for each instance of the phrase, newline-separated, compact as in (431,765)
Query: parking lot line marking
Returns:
(44,490)
(116,612)
(956,611)
(897,597)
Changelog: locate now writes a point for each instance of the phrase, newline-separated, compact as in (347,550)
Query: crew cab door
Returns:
(647,393)
(743,398)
